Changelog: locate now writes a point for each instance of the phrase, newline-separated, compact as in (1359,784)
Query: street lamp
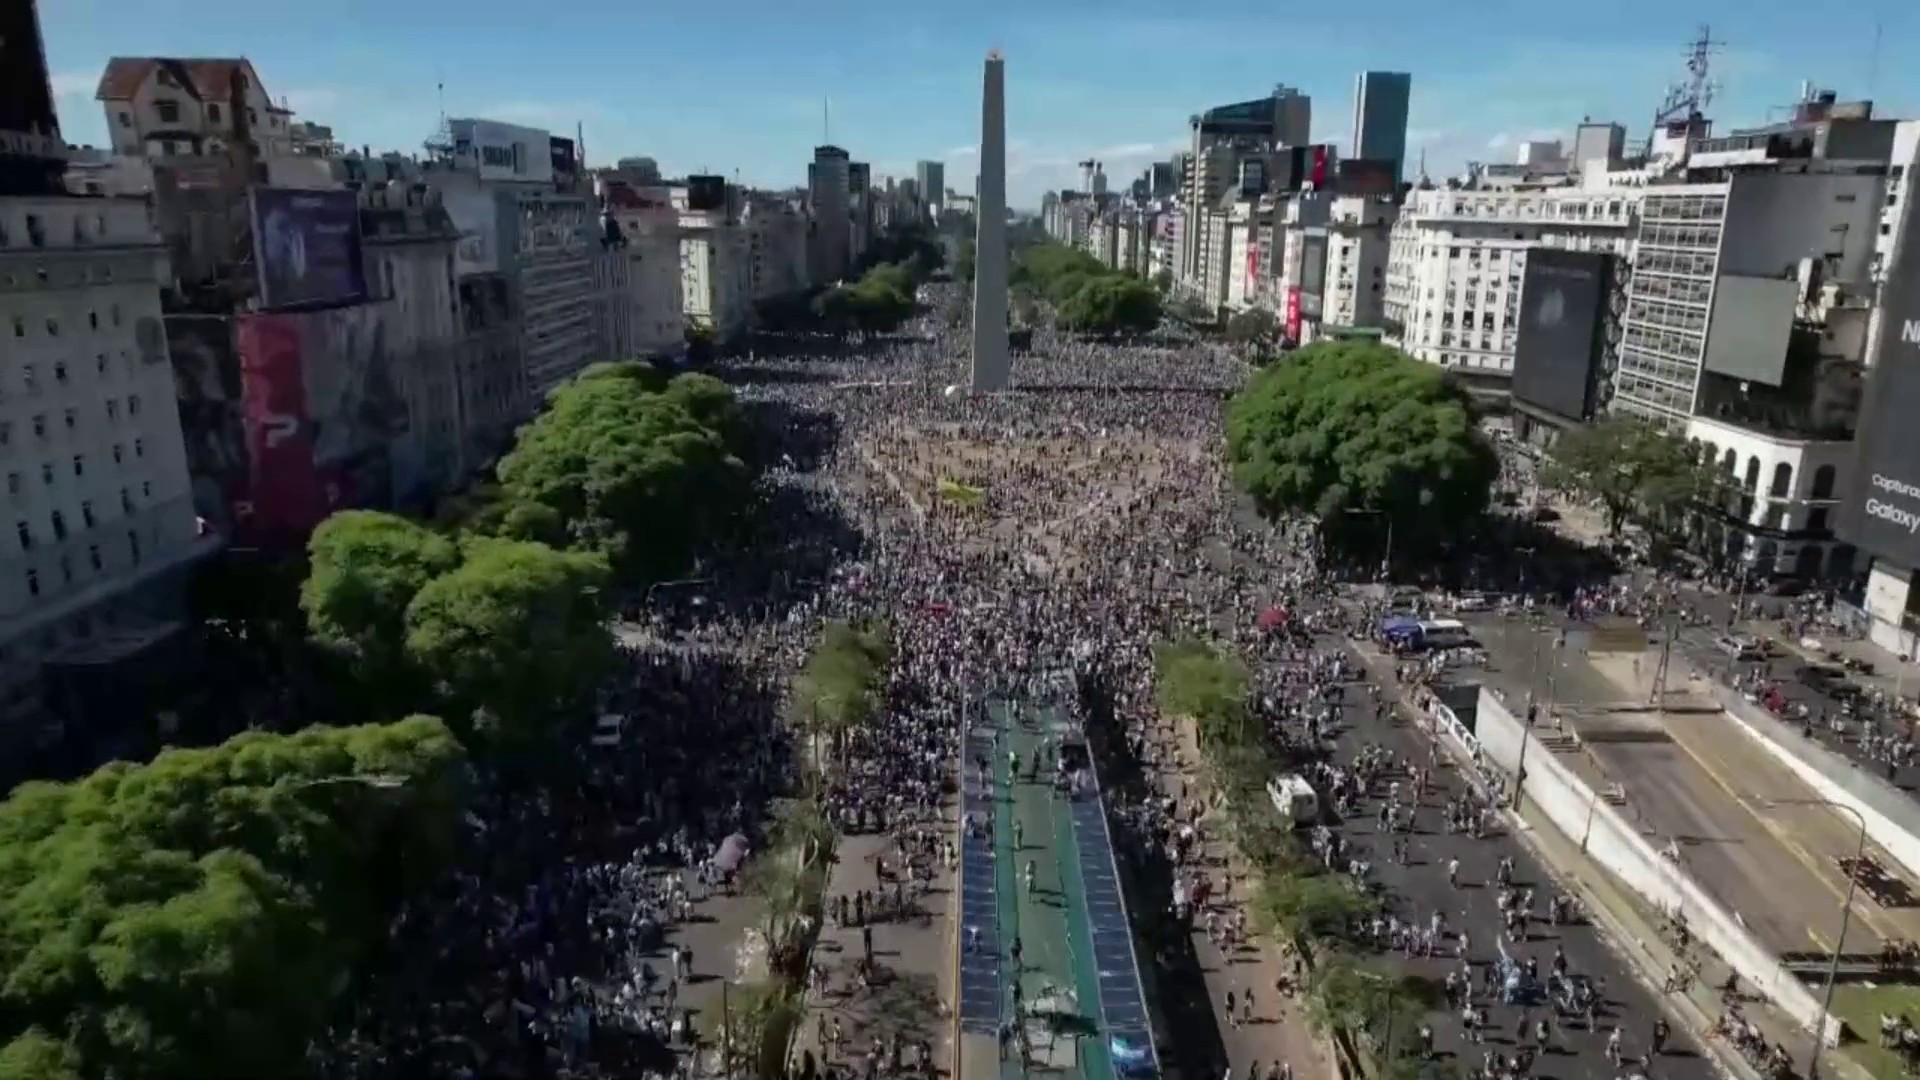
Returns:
(1846,918)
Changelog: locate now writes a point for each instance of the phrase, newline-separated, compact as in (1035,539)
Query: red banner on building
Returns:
(1320,167)
(283,487)
(1293,313)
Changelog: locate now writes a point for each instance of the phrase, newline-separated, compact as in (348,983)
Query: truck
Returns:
(1294,799)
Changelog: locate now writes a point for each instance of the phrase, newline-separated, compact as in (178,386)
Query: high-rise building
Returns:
(990,360)
(1221,137)
(931,176)
(827,189)
(859,209)
(1380,100)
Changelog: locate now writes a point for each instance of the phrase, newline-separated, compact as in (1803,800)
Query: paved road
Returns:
(1421,888)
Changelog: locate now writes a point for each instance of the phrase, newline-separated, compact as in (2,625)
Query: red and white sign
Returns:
(1293,313)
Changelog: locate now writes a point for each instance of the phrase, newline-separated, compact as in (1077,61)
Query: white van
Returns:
(1444,633)
(1294,799)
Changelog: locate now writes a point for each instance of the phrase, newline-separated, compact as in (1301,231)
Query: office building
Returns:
(1458,258)
(1603,144)
(931,179)
(828,185)
(1221,138)
(1380,103)
(860,210)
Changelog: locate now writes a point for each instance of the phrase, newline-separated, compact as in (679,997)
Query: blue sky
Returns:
(740,86)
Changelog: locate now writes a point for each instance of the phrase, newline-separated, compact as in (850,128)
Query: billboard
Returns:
(1293,313)
(706,193)
(206,386)
(1880,514)
(1556,351)
(1751,324)
(283,491)
(306,248)
(566,161)
(1322,162)
(477,216)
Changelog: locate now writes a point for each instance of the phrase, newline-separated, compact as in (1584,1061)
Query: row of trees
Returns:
(1641,475)
(1293,898)
(1362,436)
(1087,297)
(195,916)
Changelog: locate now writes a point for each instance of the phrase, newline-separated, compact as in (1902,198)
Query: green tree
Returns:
(641,469)
(1355,426)
(1254,326)
(1381,1005)
(839,686)
(364,569)
(1107,305)
(195,916)
(1633,470)
(519,630)
(1311,907)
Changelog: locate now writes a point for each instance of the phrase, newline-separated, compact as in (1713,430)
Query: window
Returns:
(93,320)
(60,372)
(126,500)
(19,326)
(133,546)
(73,418)
(86,513)
(40,425)
(133,404)
(169,111)
(213,111)
(126,119)
(33,582)
(93,555)
(79,464)
(119,453)
(253,118)
(59,525)
(1817,519)
(46,473)
(6,433)
(36,231)
(100,364)
(53,326)
(13,483)
(1822,483)
(139,448)
(146,489)
(25,532)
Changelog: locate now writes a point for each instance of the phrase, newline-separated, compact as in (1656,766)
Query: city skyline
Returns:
(752,100)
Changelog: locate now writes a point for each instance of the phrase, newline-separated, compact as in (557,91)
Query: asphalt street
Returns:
(1421,888)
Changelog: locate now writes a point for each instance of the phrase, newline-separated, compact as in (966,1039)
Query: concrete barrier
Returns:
(1578,810)
(1891,816)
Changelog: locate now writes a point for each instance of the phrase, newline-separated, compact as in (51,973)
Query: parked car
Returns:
(1741,647)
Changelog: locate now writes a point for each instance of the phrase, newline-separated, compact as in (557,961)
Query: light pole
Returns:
(1846,920)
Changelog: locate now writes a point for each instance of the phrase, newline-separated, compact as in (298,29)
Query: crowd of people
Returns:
(1006,539)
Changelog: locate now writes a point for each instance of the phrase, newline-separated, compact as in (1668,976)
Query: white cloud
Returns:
(1499,141)
(74,84)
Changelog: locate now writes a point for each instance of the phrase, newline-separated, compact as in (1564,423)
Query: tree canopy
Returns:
(1087,296)
(628,463)
(1632,469)
(1254,326)
(1356,427)
(364,569)
(519,630)
(194,916)
(839,686)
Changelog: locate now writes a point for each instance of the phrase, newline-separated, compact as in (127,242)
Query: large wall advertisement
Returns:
(1313,272)
(306,248)
(1881,513)
(325,423)
(283,493)
(1556,349)
(477,215)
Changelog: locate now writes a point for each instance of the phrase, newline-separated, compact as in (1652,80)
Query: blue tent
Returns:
(1399,625)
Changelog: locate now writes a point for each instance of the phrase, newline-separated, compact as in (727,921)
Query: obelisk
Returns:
(990,234)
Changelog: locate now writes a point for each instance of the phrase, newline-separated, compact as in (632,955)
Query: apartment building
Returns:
(159,106)
(1457,259)
(776,245)
(716,274)
(90,443)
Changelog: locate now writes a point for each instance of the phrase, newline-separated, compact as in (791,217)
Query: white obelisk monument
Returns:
(990,234)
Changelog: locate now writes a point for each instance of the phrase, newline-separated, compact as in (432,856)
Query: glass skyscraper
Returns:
(1380,118)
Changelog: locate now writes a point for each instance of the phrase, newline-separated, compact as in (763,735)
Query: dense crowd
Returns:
(1100,522)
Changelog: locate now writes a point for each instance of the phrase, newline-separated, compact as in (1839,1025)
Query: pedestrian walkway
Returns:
(906,999)
(1278,1030)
